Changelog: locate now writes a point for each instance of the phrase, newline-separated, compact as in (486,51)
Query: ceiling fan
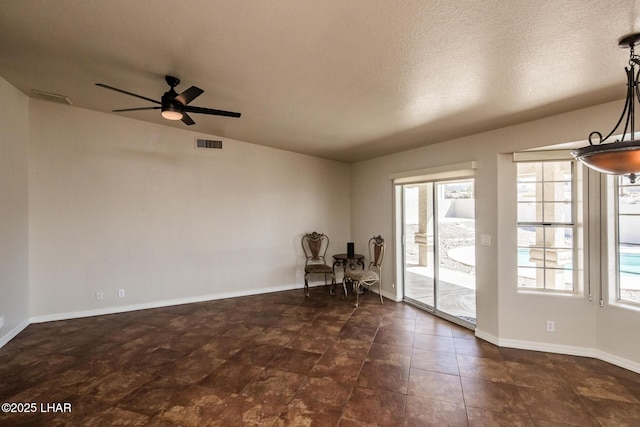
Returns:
(173,105)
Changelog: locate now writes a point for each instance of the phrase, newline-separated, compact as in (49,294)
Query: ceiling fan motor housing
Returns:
(170,105)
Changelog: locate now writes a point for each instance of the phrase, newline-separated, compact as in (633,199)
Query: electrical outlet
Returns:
(298,274)
(99,295)
(393,285)
(551,326)
(120,293)
(1,322)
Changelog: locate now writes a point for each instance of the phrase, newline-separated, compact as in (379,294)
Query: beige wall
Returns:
(504,316)
(115,203)
(14,137)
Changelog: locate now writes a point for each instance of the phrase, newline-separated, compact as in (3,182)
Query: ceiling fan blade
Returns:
(136,109)
(127,93)
(189,95)
(187,120)
(201,110)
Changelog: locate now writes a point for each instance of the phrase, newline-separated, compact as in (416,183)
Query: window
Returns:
(628,241)
(546,228)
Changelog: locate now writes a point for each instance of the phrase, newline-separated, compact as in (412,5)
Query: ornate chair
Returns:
(315,247)
(371,275)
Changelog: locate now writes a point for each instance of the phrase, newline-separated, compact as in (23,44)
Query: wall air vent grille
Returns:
(53,97)
(208,143)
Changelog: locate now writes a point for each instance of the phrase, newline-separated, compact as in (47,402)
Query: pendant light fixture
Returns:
(620,157)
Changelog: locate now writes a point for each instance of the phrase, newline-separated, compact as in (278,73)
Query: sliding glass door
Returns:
(439,248)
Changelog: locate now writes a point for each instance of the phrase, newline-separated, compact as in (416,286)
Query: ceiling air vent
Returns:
(53,97)
(208,143)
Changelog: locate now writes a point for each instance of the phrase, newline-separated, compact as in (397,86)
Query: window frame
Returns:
(615,246)
(575,224)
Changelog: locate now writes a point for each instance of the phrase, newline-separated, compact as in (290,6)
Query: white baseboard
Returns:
(388,295)
(618,361)
(560,349)
(166,303)
(159,304)
(12,333)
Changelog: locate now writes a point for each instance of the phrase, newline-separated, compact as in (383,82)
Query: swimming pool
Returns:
(629,262)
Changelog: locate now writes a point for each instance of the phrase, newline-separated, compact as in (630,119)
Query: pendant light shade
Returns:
(620,157)
(615,158)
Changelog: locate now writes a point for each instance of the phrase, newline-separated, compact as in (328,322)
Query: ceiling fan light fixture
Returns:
(171,112)
(620,157)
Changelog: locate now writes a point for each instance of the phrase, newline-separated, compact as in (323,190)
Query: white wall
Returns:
(116,203)
(14,137)
(504,315)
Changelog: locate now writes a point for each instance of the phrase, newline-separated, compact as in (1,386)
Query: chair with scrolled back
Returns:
(372,274)
(315,247)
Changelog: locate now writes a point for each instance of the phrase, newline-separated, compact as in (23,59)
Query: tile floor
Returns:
(282,360)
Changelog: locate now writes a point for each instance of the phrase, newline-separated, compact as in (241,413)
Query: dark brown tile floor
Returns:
(283,360)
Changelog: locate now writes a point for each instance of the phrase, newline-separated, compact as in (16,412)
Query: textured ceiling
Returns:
(340,79)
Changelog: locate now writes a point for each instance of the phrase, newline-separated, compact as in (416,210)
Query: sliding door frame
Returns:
(455,172)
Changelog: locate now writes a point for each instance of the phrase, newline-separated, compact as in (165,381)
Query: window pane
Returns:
(558,258)
(557,171)
(557,192)
(537,257)
(529,192)
(559,279)
(628,206)
(549,237)
(528,172)
(628,230)
(629,199)
(629,264)
(559,237)
(629,260)
(527,236)
(525,258)
(527,278)
(529,212)
(628,241)
(557,212)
